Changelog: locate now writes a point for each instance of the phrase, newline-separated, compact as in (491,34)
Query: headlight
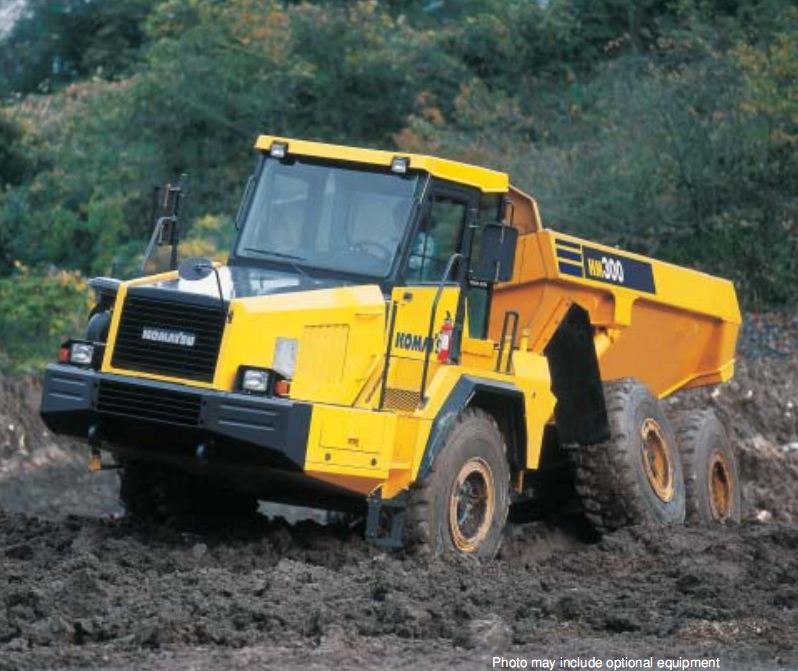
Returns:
(255,380)
(399,164)
(278,150)
(81,354)
(285,357)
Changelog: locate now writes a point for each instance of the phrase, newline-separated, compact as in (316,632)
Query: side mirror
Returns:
(166,231)
(497,254)
(167,201)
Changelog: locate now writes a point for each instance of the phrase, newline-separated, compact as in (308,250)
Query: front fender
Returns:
(489,395)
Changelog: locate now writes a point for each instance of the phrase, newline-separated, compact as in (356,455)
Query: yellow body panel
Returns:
(489,181)
(682,334)
(354,444)
(340,335)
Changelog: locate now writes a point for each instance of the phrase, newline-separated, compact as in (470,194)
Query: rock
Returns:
(491,633)
(21,551)
(333,639)
(16,645)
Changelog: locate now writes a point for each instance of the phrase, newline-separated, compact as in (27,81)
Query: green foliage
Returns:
(58,41)
(14,164)
(215,75)
(37,311)
(665,126)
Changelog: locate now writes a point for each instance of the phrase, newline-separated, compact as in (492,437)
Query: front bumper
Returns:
(152,418)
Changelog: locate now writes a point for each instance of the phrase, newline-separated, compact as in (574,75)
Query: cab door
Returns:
(428,304)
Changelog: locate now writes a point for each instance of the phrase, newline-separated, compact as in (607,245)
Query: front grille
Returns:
(159,405)
(161,316)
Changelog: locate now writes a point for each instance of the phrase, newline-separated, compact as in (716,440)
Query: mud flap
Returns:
(580,413)
(385,521)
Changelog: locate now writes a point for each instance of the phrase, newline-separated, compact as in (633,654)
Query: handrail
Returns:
(388,351)
(505,323)
(428,343)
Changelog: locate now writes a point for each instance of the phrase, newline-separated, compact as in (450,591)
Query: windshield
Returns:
(319,216)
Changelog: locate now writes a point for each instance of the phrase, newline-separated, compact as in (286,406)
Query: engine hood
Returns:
(334,328)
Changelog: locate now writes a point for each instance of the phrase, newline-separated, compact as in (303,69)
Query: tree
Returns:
(14,162)
(55,43)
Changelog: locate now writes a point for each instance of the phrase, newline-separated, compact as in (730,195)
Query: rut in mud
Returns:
(88,589)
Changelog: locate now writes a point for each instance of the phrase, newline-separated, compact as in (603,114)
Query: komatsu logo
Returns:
(411,341)
(169,337)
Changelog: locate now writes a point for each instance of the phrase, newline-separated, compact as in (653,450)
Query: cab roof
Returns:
(488,181)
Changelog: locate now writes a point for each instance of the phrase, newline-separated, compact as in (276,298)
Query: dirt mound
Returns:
(20,427)
(769,334)
(41,473)
(78,590)
(759,409)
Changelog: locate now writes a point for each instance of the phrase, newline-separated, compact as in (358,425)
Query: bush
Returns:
(14,163)
(38,311)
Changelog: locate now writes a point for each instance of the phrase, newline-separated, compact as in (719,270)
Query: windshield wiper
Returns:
(279,255)
(289,257)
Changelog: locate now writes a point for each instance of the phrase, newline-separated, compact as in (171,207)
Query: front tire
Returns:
(461,506)
(143,491)
(711,476)
(159,494)
(636,476)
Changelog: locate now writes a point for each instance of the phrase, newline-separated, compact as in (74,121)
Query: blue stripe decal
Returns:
(568,243)
(571,256)
(610,268)
(569,269)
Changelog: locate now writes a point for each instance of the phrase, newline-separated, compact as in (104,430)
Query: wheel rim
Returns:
(657,460)
(721,486)
(471,504)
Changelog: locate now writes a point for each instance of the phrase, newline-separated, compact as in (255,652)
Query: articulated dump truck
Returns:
(398,336)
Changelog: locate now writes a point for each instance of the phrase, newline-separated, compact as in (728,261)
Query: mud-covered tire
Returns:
(143,491)
(461,506)
(636,476)
(159,494)
(711,475)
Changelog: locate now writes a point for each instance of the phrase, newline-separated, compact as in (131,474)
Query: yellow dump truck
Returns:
(398,334)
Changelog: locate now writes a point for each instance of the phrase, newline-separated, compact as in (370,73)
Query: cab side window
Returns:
(438,237)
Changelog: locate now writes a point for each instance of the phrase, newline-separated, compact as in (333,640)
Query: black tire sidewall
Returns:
(473,438)
(650,508)
(709,440)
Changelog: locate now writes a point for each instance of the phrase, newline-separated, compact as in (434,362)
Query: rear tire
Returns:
(711,476)
(636,476)
(461,506)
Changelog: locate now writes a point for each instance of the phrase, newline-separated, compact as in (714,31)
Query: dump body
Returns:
(668,326)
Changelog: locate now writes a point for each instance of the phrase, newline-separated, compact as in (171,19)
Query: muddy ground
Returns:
(82,587)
